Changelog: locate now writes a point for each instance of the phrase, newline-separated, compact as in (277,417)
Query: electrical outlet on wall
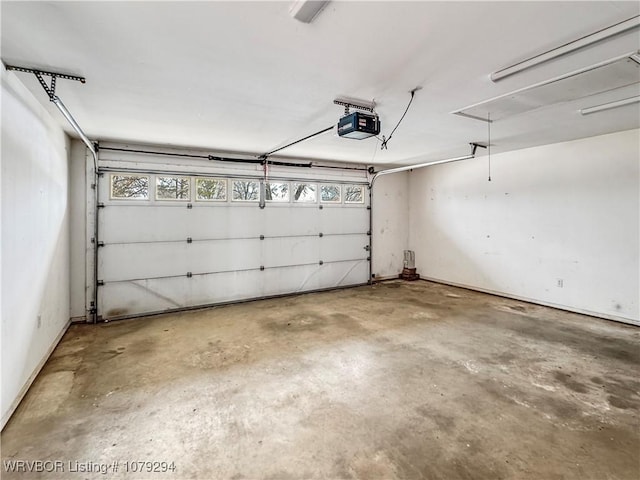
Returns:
(39,321)
(560,283)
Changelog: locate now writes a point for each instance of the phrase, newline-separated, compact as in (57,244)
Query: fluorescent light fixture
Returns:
(610,105)
(608,75)
(306,10)
(603,34)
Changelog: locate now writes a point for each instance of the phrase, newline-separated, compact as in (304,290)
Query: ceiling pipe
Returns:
(63,109)
(474,146)
(94,153)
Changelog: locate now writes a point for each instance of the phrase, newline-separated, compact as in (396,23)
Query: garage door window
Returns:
(354,194)
(173,188)
(304,192)
(130,186)
(211,189)
(245,191)
(330,194)
(276,192)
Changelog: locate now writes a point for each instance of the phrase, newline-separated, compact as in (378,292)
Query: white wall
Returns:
(567,211)
(77,229)
(35,239)
(390,224)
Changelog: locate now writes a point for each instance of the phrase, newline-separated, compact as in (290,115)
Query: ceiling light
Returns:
(619,72)
(306,10)
(603,34)
(610,105)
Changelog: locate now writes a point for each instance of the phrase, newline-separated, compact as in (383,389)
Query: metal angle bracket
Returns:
(50,89)
(348,103)
(475,145)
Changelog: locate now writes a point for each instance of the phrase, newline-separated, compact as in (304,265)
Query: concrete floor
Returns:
(398,380)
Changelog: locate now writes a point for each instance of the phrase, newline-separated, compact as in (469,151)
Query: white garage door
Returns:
(175,236)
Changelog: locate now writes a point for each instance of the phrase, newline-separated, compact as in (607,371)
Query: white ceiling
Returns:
(247,77)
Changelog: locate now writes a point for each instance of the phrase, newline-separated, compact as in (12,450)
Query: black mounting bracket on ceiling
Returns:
(50,89)
(475,145)
(348,103)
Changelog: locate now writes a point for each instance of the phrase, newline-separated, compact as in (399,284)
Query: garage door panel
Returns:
(133,261)
(345,219)
(341,274)
(124,223)
(279,252)
(138,261)
(314,277)
(135,298)
(157,295)
(235,221)
(292,279)
(294,220)
(344,247)
(208,222)
(220,288)
(123,299)
(161,255)
(215,221)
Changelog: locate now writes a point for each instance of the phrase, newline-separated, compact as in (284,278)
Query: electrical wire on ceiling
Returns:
(384,140)
(375,150)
